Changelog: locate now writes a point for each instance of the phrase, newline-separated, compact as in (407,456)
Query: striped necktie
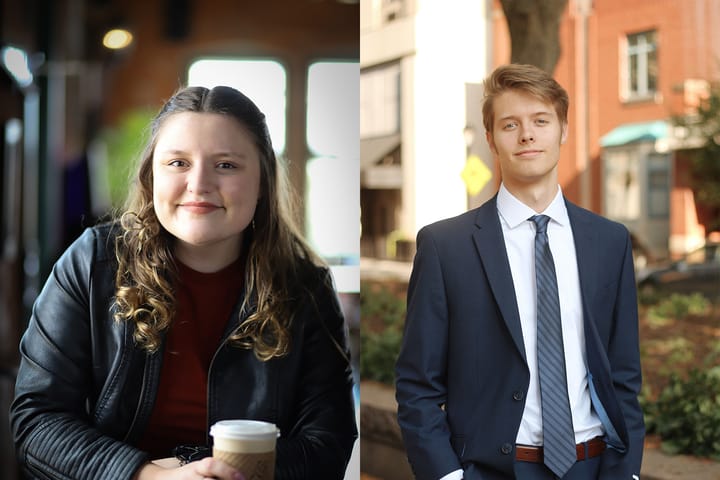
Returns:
(558,434)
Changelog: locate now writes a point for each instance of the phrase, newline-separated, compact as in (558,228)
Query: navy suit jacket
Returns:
(462,375)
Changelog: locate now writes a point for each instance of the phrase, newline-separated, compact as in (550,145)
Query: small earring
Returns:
(253,224)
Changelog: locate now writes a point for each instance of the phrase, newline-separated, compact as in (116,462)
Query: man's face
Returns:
(526,138)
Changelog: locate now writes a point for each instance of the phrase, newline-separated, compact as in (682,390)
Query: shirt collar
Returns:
(513,212)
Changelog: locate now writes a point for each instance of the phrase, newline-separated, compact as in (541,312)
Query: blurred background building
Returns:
(419,61)
(80,79)
(630,68)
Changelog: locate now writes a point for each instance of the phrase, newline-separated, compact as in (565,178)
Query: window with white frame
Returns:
(641,69)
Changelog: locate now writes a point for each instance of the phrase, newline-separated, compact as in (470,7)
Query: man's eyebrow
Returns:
(536,114)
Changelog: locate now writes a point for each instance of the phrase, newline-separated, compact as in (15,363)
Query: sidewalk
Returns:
(660,466)
(374,269)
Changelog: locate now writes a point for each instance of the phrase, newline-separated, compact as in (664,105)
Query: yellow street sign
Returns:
(475,174)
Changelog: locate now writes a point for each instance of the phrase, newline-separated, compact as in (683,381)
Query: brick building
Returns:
(629,67)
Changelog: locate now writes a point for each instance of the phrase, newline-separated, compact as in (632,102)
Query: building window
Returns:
(658,193)
(263,81)
(380,101)
(392,10)
(622,184)
(641,70)
(332,196)
(332,109)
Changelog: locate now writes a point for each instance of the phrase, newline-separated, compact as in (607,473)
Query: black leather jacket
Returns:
(85,392)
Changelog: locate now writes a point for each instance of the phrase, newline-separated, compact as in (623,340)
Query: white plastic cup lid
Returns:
(244,429)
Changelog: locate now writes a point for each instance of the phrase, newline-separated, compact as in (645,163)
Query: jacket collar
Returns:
(489,243)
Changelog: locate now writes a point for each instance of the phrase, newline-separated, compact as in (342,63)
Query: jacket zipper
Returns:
(148,380)
(228,331)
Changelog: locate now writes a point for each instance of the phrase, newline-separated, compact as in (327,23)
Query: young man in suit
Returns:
(521,360)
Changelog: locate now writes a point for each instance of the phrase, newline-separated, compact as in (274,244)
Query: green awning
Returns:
(636,132)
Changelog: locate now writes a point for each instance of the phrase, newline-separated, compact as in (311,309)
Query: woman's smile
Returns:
(199,207)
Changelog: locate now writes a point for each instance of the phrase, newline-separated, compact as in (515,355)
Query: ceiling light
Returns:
(16,63)
(117,38)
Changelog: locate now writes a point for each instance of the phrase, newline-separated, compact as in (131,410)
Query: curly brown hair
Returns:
(277,258)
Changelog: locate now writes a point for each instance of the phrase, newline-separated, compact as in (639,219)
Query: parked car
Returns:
(697,271)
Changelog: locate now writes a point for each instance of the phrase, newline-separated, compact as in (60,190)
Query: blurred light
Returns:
(469,135)
(117,38)
(16,63)
(13,131)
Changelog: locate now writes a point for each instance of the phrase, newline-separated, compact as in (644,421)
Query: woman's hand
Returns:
(207,468)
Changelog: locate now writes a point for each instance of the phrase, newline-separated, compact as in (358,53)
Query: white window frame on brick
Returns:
(639,59)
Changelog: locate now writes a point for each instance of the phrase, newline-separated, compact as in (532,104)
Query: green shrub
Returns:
(686,415)
(678,306)
(378,355)
(124,144)
(648,296)
(383,316)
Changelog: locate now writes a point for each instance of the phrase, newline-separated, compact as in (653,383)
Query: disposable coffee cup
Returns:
(247,445)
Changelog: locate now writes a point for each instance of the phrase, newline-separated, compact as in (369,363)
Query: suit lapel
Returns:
(490,245)
(586,251)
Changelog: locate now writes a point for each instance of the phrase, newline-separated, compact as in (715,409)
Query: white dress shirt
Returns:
(519,235)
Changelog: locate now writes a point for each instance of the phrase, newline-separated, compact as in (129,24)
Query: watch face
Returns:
(190,453)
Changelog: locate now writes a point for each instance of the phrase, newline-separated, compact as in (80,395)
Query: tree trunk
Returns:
(534,31)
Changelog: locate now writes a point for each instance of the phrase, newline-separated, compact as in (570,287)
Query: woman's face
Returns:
(206,185)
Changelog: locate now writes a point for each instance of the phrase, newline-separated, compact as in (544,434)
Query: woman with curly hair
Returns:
(200,302)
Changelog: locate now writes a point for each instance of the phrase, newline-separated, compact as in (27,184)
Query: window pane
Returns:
(633,74)
(264,81)
(622,189)
(332,195)
(380,97)
(652,71)
(333,96)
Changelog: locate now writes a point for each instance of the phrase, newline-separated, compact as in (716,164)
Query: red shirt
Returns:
(205,302)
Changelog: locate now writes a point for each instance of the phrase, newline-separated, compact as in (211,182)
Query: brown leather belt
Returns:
(590,449)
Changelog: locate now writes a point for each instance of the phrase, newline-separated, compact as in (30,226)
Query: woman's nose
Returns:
(199,179)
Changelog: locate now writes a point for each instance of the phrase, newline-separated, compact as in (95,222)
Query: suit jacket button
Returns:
(506,448)
(518,395)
